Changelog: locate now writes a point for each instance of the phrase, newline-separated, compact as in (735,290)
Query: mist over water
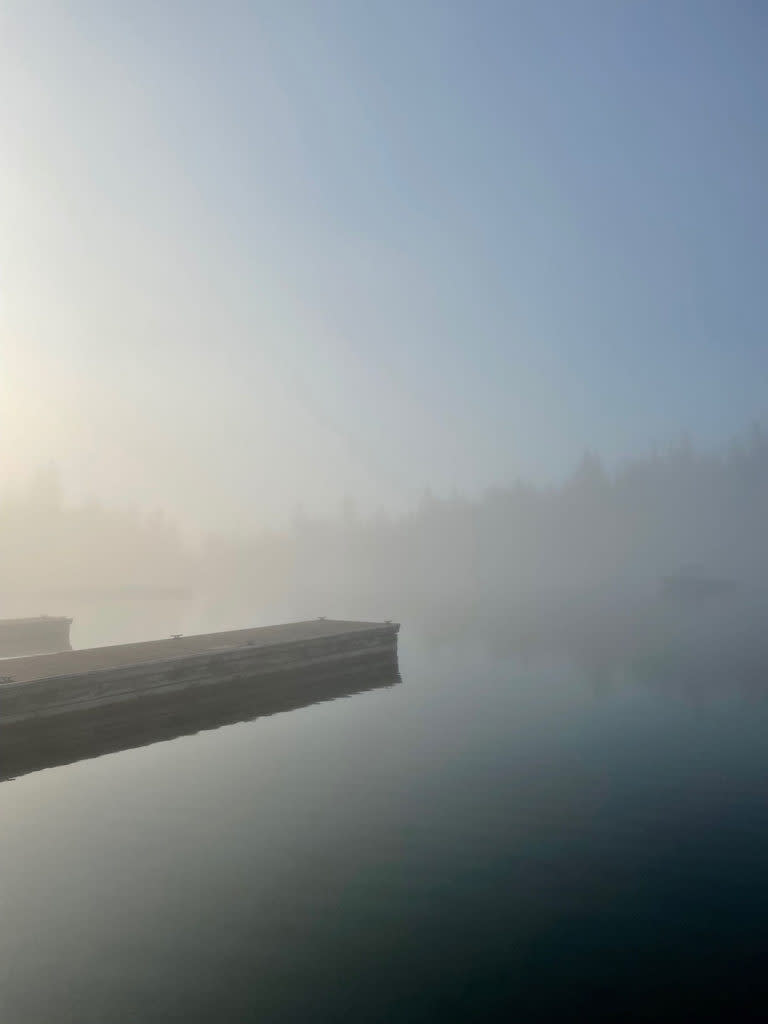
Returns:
(665,547)
(309,310)
(489,839)
(560,808)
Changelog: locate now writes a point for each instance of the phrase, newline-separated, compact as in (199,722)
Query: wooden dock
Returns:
(262,659)
(50,741)
(39,634)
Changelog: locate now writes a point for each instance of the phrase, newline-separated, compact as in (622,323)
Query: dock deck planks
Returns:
(99,659)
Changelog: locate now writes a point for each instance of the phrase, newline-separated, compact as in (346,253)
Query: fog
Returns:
(447,316)
(259,259)
(314,309)
(666,548)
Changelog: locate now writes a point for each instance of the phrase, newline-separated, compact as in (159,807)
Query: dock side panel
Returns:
(91,689)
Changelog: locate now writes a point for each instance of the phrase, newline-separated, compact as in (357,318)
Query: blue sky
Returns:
(299,250)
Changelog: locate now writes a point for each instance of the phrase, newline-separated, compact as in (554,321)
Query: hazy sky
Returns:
(253,254)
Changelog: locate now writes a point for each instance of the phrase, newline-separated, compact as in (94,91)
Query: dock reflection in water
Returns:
(55,740)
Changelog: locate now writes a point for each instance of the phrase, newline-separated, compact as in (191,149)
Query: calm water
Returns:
(487,841)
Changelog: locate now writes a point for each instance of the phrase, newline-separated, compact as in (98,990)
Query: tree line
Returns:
(598,531)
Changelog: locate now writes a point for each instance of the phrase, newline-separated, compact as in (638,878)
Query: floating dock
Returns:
(41,634)
(50,741)
(269,660)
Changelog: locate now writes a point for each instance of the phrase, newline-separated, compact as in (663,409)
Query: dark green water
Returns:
(486,841)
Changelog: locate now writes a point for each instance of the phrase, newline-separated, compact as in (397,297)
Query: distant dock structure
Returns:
(41,634)
(290,661)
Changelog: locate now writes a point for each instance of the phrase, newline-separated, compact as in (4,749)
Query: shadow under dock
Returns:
(51,741)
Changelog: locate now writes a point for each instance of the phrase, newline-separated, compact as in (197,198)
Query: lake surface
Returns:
(488,840)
